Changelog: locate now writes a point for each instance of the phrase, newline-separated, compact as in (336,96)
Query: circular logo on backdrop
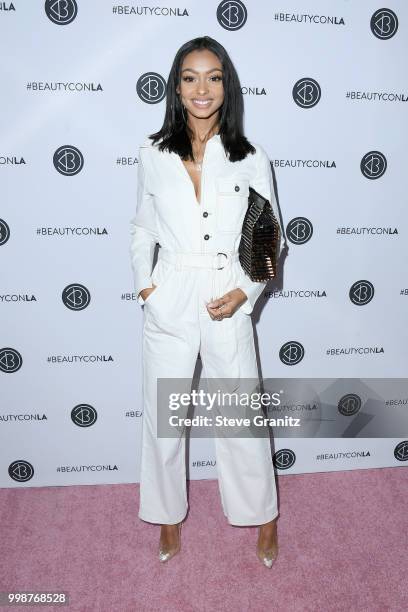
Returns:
(68,160)
(21,470)
(299,230)
(4,232)
(151,87)
(284,459)
(83,415)
(401,451)
(76,297)
(306,93)
(10,360)
(373,165)
(384,23)
(361,292)
(291,353)
(232,14)
(349,404)
(61,13)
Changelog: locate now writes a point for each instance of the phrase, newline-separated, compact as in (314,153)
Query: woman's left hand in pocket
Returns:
(230,302)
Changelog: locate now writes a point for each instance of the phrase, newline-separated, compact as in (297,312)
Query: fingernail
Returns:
(210,304)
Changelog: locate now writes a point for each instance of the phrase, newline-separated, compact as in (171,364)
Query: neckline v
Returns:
(214,136)
(190,179)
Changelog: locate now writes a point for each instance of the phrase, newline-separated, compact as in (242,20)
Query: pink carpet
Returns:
(343,546)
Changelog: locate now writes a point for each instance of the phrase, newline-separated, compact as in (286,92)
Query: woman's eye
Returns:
(188,79)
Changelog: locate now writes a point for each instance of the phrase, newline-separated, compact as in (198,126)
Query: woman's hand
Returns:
(144,294)
(230,302)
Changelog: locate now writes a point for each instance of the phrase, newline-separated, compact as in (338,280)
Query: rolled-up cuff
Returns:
(253,290)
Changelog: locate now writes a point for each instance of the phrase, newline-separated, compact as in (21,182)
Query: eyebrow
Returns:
(196,71)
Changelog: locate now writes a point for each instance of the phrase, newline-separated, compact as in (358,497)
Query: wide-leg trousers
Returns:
(176,327)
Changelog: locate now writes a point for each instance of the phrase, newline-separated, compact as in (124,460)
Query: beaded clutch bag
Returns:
(260,239)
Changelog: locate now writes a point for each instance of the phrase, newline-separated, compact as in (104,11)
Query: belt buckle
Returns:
(226,256)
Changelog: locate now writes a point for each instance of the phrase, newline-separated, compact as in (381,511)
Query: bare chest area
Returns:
(195,176)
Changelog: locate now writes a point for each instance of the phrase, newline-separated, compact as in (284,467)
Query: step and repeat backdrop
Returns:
(82,85)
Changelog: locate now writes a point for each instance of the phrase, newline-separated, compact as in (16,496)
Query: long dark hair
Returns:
(174,132)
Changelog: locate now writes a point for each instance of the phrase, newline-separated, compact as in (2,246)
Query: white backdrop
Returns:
(82,83)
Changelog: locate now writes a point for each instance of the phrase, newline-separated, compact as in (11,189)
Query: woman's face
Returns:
(201,88)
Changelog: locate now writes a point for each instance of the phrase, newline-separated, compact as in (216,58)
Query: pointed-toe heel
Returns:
(266,556)
(167,554)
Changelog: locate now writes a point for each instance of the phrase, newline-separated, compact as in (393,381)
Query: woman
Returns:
(193,185)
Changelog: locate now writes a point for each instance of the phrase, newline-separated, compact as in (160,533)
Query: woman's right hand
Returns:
(146,292)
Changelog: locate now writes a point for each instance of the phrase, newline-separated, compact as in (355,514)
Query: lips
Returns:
(201,103)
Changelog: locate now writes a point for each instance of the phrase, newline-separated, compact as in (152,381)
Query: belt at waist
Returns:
(211,261)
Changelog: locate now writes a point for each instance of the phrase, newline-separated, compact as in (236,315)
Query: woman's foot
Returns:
(170,541)
(267,545)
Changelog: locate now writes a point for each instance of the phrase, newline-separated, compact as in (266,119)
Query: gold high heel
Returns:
(266,556)
(167,554)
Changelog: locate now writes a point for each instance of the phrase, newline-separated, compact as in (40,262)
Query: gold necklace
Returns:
(198,164)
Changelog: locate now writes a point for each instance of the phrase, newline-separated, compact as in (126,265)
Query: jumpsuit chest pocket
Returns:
(232,203)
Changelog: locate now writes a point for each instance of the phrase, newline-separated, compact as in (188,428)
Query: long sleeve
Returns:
(143,232)
(263,184)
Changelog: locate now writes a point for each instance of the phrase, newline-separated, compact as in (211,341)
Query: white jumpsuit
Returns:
(177,325)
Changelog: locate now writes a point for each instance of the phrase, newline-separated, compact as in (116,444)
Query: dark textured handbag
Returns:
(260,239)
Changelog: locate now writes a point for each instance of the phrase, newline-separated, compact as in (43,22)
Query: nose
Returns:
(202,86)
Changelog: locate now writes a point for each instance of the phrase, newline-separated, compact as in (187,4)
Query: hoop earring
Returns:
(182,111)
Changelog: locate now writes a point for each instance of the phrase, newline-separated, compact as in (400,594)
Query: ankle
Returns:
(271,526)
